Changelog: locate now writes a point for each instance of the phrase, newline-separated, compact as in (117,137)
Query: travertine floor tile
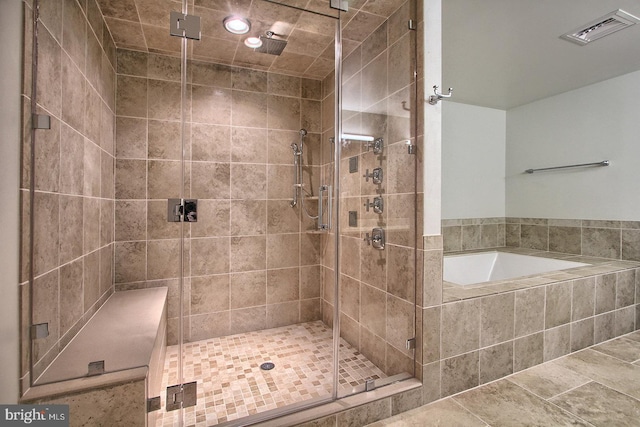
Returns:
(635,336)
(588,388)
(503,403)
(601,406)
(445,413)
(614,373)
(621,348)
(548,380)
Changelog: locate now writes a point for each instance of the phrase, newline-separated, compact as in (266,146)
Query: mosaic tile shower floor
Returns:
(231,384)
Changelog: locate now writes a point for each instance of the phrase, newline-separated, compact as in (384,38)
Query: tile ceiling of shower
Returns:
(144,25)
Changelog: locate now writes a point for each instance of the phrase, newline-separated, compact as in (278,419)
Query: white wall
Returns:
(10,70)
(594,123)
(432,118)
(473,161)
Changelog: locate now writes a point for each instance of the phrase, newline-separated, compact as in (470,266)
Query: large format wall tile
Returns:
(239,165)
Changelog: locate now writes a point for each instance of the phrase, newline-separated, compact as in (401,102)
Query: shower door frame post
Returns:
(336,205)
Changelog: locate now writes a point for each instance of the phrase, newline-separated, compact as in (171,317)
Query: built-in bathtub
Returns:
(476,268)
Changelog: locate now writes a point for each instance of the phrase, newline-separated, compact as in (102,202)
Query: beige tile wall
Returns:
(599,238)
(249,262)
(473,233)
(74,174)
(604,239)
(377,293)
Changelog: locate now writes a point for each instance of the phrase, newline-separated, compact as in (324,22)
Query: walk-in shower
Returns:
(275,267)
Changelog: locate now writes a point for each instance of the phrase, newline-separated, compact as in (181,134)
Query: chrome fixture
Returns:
(270,45)
(299,191)
(369,141)
(354,137)
(376,175)
(411,147)
(179,210)
(437,96)
(581,165)
(236,24)
(185,26)
(342,5)
(181,396)
(322,225)
(377,145)
(376,239)
(377,205)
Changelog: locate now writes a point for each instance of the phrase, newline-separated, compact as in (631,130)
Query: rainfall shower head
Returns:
(270,45)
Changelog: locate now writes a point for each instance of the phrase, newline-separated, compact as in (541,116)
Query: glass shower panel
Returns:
(378,198)
(254,340)
(67,191)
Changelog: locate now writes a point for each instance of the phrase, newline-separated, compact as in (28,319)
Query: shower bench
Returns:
(115,362)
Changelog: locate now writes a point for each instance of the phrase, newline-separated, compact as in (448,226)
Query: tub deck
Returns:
(595,266)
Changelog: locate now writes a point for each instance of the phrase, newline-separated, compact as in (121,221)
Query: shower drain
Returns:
(267,366)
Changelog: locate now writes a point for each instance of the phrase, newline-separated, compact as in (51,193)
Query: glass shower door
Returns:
(252,334)
(377,283)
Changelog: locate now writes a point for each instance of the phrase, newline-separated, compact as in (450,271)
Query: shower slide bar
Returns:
(581,165)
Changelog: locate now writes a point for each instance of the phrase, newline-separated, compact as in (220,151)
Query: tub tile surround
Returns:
(480,333)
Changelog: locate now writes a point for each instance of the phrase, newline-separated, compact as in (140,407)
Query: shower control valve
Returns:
(377,145)
(377,205)
(376,239)
(376,175)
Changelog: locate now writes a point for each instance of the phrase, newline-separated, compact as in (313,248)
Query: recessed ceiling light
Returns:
(608,24)
(253,42)
(236,24)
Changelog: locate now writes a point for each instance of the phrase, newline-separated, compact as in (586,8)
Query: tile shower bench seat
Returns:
(128,333)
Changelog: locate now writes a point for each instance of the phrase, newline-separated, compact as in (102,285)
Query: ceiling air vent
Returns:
(608,24)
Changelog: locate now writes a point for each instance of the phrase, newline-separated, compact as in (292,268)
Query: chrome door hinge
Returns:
(185,26)
(342,5)
(41,121)
(153,404)
(182,396)
(95,368)
(179,210)
(412,24)
(411,343)
(41,330)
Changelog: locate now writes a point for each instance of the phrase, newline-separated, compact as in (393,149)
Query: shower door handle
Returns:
(322,225)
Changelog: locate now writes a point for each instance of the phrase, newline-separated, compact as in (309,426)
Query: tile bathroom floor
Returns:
(231,384)
(598,386)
